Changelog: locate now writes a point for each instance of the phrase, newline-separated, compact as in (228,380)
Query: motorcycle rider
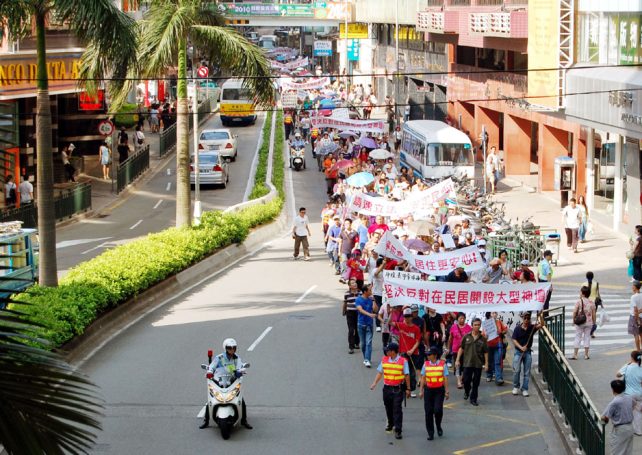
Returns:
(227,364)
(297,143)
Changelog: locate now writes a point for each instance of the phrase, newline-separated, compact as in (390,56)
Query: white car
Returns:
(220,140)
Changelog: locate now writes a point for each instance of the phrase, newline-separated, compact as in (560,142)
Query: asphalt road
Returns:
(152,207)
(305,393)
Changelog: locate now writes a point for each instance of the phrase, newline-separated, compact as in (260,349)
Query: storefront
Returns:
(73,119)
(608,103)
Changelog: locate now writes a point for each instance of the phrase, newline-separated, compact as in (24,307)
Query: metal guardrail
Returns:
(167,137)
(556,325)
(67,204)
(518,246)
(579,411)
(130,169)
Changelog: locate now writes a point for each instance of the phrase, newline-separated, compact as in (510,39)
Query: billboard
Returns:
(355,31)
(543,51)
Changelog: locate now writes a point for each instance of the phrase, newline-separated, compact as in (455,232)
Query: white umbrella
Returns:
(380,154)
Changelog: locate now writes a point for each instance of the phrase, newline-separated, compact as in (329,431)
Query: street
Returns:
(152,207)
(304,392)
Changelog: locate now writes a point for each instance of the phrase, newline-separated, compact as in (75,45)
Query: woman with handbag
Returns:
(594,297)
(583,319)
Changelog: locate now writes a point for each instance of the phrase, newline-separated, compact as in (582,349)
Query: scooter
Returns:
(224,398)
(297,158)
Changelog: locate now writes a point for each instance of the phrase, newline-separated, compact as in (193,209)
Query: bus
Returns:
(434,150)
(236,104)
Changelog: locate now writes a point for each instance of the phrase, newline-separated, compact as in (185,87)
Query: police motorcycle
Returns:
(297,153)
(224,397)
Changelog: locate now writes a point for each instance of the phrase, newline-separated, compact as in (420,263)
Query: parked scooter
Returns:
(224,397)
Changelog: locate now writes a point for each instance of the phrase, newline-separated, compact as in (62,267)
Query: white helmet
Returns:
(229,343)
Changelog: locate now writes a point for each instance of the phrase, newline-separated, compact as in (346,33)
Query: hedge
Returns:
(127,116)
(96,286)
(260,189)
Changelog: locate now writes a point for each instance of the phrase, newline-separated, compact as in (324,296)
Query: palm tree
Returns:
(111,37)
(167,28)
(46,406)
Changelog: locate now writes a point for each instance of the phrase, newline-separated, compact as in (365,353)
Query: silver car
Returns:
(221,140)
(213,170)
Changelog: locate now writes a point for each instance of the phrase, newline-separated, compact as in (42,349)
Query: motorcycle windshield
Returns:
(224,379)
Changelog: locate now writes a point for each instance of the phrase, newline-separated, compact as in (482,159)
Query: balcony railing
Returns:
(473,83)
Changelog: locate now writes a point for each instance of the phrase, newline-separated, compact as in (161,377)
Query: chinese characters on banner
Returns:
(310,84)
(342,124)
(373,206)
(465,297)
(290,65)
(436,264)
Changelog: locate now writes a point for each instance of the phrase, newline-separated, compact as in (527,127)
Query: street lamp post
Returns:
(197,171)
(397,58)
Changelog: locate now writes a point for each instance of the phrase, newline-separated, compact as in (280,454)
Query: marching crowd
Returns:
(422,348)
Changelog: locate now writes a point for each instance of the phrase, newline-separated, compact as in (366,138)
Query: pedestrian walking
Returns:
(584,213)
(545,275)
(409,340)
(583,318)
(457,333)
(395,373)
(105,159)
(434,335)
(26,191)
(473,355)
(10,191)
(70,170)
(332,244)
(433,388)
(123,145)
(139,139)
(365,323)
(523,337)
(351,314)
(635,254)
(594,296)
(572,219)
(496,351)
(300,233)
(493,168)
(635,315)
(620,413)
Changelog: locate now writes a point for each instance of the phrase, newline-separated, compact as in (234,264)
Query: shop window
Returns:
(8,125)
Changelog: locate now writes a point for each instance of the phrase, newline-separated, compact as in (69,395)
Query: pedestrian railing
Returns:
(578,410)
(556,325)
(132,168)
(67,204)
(519,245)
(168,135)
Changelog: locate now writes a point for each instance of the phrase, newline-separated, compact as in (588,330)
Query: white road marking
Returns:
(305,294)
(94,248)
(258,340)
(158,203)
(136,224)
(169,186)
(66,243)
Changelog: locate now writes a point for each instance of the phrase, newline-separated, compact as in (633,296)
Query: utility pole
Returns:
(345,43)
(397,65)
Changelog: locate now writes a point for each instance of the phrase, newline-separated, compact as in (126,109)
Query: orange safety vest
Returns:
(288,119)
(393,371)
(434,374)
(315,132)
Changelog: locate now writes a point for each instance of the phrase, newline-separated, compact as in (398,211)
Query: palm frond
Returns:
(208,15)
(15,15)
(164,27)
(239,56)
(45,405)
(111,39)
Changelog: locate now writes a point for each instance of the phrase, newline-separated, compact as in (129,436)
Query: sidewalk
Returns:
(604,254)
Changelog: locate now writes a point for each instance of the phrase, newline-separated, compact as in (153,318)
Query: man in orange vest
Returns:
(395,373)
(288,122)
(434,377)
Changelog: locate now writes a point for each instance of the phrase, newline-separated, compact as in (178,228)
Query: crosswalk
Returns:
(611,335)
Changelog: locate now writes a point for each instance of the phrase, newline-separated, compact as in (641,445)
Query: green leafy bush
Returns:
(127,116)
(104,282)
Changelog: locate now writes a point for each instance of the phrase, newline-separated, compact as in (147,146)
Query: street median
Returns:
(99,293)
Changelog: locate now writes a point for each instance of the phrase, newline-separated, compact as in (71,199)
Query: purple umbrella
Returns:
(416,244)
(368,142)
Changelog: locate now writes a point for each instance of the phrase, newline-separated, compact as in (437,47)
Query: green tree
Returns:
(46,405)
(110,36)
(167,28)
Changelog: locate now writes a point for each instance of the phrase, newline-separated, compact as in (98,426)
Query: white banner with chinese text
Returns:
(342,124)
(310,84)
(465,297)
(436,264)
(373,206)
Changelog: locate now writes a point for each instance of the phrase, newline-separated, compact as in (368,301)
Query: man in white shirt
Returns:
(572,220)
(492,168)
(300,233)
(26,192)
